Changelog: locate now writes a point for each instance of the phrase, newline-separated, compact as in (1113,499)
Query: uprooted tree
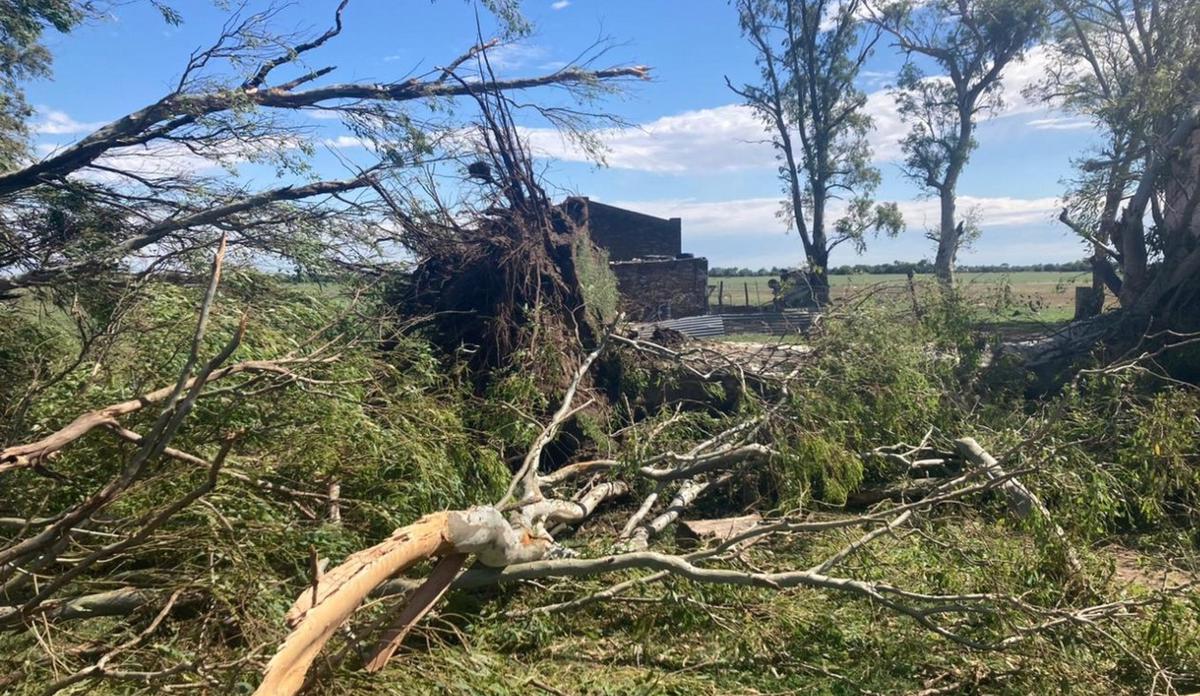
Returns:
(518,285)
(127,197)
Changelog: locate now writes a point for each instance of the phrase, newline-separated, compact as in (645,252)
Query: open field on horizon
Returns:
(1040,295)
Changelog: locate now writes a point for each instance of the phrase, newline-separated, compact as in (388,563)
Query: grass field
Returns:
(1044,296)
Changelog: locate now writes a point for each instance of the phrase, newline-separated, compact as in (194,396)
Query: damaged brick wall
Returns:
(626,234)
(654,289)
(654,278)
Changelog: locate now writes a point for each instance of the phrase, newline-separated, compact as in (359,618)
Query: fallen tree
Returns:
(614,511)
(515,549)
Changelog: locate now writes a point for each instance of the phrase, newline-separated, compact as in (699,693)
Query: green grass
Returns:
(1035,295)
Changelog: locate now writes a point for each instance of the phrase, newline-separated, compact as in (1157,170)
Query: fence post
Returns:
(746,287)
(721,295)
(1089,302)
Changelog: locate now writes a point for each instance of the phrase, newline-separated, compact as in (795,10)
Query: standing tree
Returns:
(971,42)
(1133,68)
(809,53)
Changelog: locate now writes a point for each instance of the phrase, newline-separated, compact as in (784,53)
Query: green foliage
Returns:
(381,424)
(596,279)
(816,467)
(33,345)
(1119,459)
(1134,104)
(1114,453)
(876,380)
(1160,450)
(23,57)
(828,432)
(509,408)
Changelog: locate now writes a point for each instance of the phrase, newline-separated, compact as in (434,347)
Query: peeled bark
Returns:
(702,531)
(639,539)
(690,466)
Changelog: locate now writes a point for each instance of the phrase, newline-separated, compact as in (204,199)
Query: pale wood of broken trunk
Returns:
(316,615)
(339,594)
(419,604)
(716,530)
(1021,501)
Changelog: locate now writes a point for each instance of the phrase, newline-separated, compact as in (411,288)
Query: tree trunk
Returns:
(948,233)
(1089,301)
(1169,289)
(818,272)
(318,613)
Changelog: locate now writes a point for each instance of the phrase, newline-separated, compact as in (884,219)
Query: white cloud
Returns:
(723,138)
(166,160)
(1001,211)
(748,232)
(343,142)
(560,4)
(1018,78)
(1060,123)
(730,137)
(715,218)
(738,217)
(54,122)
(158,161)
(516,55)
(888,128)
(323,114)
(861,11)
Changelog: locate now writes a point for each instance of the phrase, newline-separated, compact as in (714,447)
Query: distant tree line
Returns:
(924,266)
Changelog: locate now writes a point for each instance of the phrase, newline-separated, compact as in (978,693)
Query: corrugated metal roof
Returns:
(697,327)
(709,325)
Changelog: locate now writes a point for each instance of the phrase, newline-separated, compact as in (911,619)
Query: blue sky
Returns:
(693,151)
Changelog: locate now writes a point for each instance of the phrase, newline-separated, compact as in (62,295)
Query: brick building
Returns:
(656,279)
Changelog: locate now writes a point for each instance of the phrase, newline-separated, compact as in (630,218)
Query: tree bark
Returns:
(949,232)
(1021,501)
(34,453)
